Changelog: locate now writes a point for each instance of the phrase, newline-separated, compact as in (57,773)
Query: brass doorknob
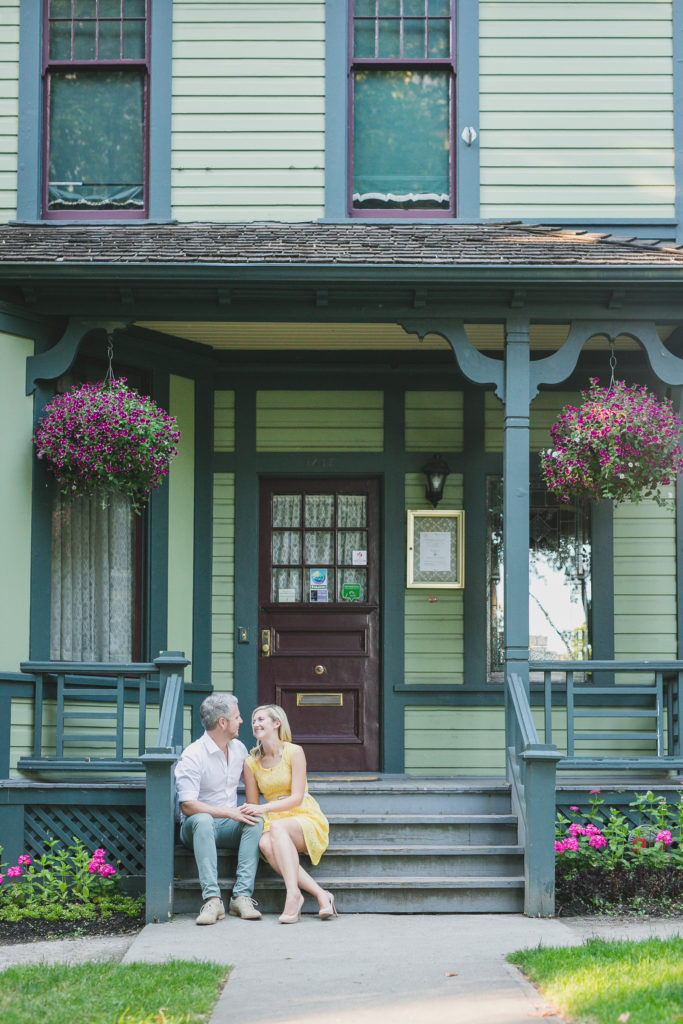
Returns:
(319,670)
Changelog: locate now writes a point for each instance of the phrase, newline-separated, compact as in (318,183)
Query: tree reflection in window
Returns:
(559,578)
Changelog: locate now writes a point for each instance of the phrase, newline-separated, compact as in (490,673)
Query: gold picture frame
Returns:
(435,550)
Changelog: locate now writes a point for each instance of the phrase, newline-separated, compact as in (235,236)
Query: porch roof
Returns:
(317,245)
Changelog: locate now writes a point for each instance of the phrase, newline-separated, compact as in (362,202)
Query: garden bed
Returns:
(38,929)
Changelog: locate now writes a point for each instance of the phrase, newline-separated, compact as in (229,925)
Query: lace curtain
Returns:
(92,579)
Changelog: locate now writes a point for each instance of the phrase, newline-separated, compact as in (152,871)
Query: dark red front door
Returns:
(319,616)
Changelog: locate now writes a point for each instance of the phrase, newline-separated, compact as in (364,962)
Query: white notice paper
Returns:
(435,552)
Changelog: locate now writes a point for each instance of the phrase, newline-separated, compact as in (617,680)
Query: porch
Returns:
(399,843)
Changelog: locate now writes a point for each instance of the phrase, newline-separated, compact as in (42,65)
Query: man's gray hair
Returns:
(218,705)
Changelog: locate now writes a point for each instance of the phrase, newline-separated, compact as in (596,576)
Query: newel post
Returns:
(159,833)
(539,846)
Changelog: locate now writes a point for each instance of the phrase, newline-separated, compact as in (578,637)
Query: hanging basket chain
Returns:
(109,377)
(612,363)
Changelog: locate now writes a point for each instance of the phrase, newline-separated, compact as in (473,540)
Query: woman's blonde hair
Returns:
(276,714)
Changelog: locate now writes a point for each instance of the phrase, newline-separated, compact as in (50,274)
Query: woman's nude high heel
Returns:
(325,913)
(292,918)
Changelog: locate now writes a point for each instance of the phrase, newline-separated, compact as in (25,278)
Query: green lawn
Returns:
(601,982)
(111,993)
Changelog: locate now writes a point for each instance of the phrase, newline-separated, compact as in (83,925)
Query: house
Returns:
(335,239)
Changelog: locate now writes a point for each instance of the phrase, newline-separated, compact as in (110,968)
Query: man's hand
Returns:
(248,813)
(251,812)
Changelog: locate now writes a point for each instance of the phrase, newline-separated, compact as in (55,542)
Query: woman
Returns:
(293,821)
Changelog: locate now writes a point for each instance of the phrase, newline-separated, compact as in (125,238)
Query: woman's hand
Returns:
(253,810)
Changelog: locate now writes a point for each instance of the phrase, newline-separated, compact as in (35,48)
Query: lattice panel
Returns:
(119,830)
(630,813)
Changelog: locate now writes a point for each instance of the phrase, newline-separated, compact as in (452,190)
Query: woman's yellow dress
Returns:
(275,783)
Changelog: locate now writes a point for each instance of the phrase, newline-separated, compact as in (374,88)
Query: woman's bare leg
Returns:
(291,841)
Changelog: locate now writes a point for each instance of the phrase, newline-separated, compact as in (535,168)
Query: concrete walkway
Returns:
(358,969)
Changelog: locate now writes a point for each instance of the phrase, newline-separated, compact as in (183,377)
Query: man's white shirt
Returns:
(203,772)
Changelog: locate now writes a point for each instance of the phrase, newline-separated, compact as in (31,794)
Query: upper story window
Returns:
(96,101)
(402,82)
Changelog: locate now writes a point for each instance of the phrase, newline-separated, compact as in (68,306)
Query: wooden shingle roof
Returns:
(351,244)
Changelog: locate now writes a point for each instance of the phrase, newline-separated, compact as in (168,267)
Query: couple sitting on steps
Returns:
(289,823)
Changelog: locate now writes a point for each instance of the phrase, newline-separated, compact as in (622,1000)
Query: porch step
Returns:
(386,894)
(399,845)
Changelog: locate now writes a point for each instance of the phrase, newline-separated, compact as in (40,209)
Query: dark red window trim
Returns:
(391,63)
(49,66)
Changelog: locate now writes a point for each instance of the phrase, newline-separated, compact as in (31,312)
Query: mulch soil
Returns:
(34,930)
(640,890)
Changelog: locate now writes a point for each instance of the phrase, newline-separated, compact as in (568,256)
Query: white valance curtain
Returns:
(92,579)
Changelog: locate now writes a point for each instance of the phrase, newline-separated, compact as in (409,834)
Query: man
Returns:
(206,776)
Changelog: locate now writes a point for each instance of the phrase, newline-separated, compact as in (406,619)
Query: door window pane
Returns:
(349,541)
(286,510)
(351,510)
(353,585)
(320,510)
(319,583)
(319,547)
(401,139)
(286,585)
(286,547)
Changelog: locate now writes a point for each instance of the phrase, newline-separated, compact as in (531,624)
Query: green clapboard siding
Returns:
(644,581)
(181,521)
(434,421)
(545,409)
(223,582)
(576,105)
(319,421)
(454,741)
(224,421)
(434,635)
(16,462)
(248,110)
(9,108)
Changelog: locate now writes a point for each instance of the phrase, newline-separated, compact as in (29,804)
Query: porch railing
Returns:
(531,772)
(582,694)
(86,704)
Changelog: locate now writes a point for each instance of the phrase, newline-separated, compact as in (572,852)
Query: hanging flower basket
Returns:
(107,437)
(622,443)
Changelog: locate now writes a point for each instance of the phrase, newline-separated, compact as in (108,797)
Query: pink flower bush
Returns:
(106,436)
(24,859)
(664,837)
(622,443)
(13,872)
(576,810)
(97,865)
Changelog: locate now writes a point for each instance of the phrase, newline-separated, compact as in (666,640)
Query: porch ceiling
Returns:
(326,337)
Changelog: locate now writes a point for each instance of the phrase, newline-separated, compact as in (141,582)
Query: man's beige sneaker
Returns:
(212,911)
(244,906)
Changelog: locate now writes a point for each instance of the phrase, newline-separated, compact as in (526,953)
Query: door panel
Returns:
(319,616)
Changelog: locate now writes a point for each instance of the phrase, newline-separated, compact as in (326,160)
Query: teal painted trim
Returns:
(159,835)
(160,93)
(474,503)
(677,31)
(203,532)
(393,580)
(41,542)
(30,128)
(332,463)
(11,829)
(336,105)
(467,176)
(30,115)
(155,553)
(5,723)
(246,551)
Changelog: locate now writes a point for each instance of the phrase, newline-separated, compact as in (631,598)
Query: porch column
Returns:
(516,498)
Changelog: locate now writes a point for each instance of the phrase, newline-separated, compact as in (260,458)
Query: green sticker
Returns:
(351,591)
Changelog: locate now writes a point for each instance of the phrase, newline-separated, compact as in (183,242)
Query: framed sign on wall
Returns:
(436,551)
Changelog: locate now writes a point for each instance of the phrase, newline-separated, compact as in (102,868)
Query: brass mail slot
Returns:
(320,700)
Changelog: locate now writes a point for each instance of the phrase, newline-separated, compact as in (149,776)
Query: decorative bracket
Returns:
(474,365)
(57,360)
(559,366)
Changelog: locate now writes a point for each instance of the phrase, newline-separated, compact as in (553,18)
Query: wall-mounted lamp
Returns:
(435,471)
